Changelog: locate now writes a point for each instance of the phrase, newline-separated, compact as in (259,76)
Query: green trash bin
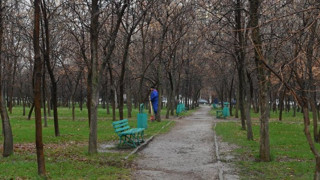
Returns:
(214,105)
(142,121)
(179,109)
(225,110)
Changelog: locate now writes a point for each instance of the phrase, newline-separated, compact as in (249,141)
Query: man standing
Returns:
(154,98)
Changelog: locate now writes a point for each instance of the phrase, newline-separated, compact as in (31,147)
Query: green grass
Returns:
(274,116)
(286,116)
(67,156)
(290,152)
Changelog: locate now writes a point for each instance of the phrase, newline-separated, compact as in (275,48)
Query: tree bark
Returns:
(241,65)
(247,107)
(6,126)
(169,99)
(311,86)
(230,95)
(37,89)
(73,101)
(237,106)
(11,86)
(129,103)
(129,92)
(159,73)
(30,111)
(94,78)
(24,106)
(262,80)
(107,97)
(44,96)
(122,75)
(281,104)
(50,70)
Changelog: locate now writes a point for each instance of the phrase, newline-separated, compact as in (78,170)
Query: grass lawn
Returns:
(66,156)
(290,152)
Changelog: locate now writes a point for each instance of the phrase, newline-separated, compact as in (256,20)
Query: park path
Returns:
(191,150)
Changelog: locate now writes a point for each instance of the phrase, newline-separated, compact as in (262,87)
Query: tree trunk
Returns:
(37,89)
(173,96)
(30,111)
(294,108)
(11,85)
(247,107)
(241,97)
(315,120)
(24,106)
(237,106)
(159,72)
(173,82)
(81,95)
(114,103)
(73,101)
(262,81)
(107,98)
(309,138)
(311,86)
(44,96)
(129,102)
(230,95)
(169,104)
(241,65)
(122,75)
(129,92)
(281,104)
(108,50)
(50,70)
(143,59)
(6,127)
(108,107)
(248,118)
(48,101)
(94,78)
(112,91)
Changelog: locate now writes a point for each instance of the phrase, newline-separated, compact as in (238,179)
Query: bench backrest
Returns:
(120,126)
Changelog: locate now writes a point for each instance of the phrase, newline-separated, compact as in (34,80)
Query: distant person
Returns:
(154,98)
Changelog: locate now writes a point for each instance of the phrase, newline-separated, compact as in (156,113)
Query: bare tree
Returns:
(262,78)
(50,68)
(96,70)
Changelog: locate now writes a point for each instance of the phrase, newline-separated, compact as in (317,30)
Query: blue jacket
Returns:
(154,100)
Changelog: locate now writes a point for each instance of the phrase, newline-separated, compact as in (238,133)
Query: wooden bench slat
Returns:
(122,129)
(119,122)
(120,125)
(128,132)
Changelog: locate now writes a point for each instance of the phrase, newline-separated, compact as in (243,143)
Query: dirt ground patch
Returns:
(190,150)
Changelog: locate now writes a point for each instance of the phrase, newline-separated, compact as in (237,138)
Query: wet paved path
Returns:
(189,151)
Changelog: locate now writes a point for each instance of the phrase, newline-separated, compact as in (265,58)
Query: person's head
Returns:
(152,88)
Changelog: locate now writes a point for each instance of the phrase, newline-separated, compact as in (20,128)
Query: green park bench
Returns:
(128,136)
